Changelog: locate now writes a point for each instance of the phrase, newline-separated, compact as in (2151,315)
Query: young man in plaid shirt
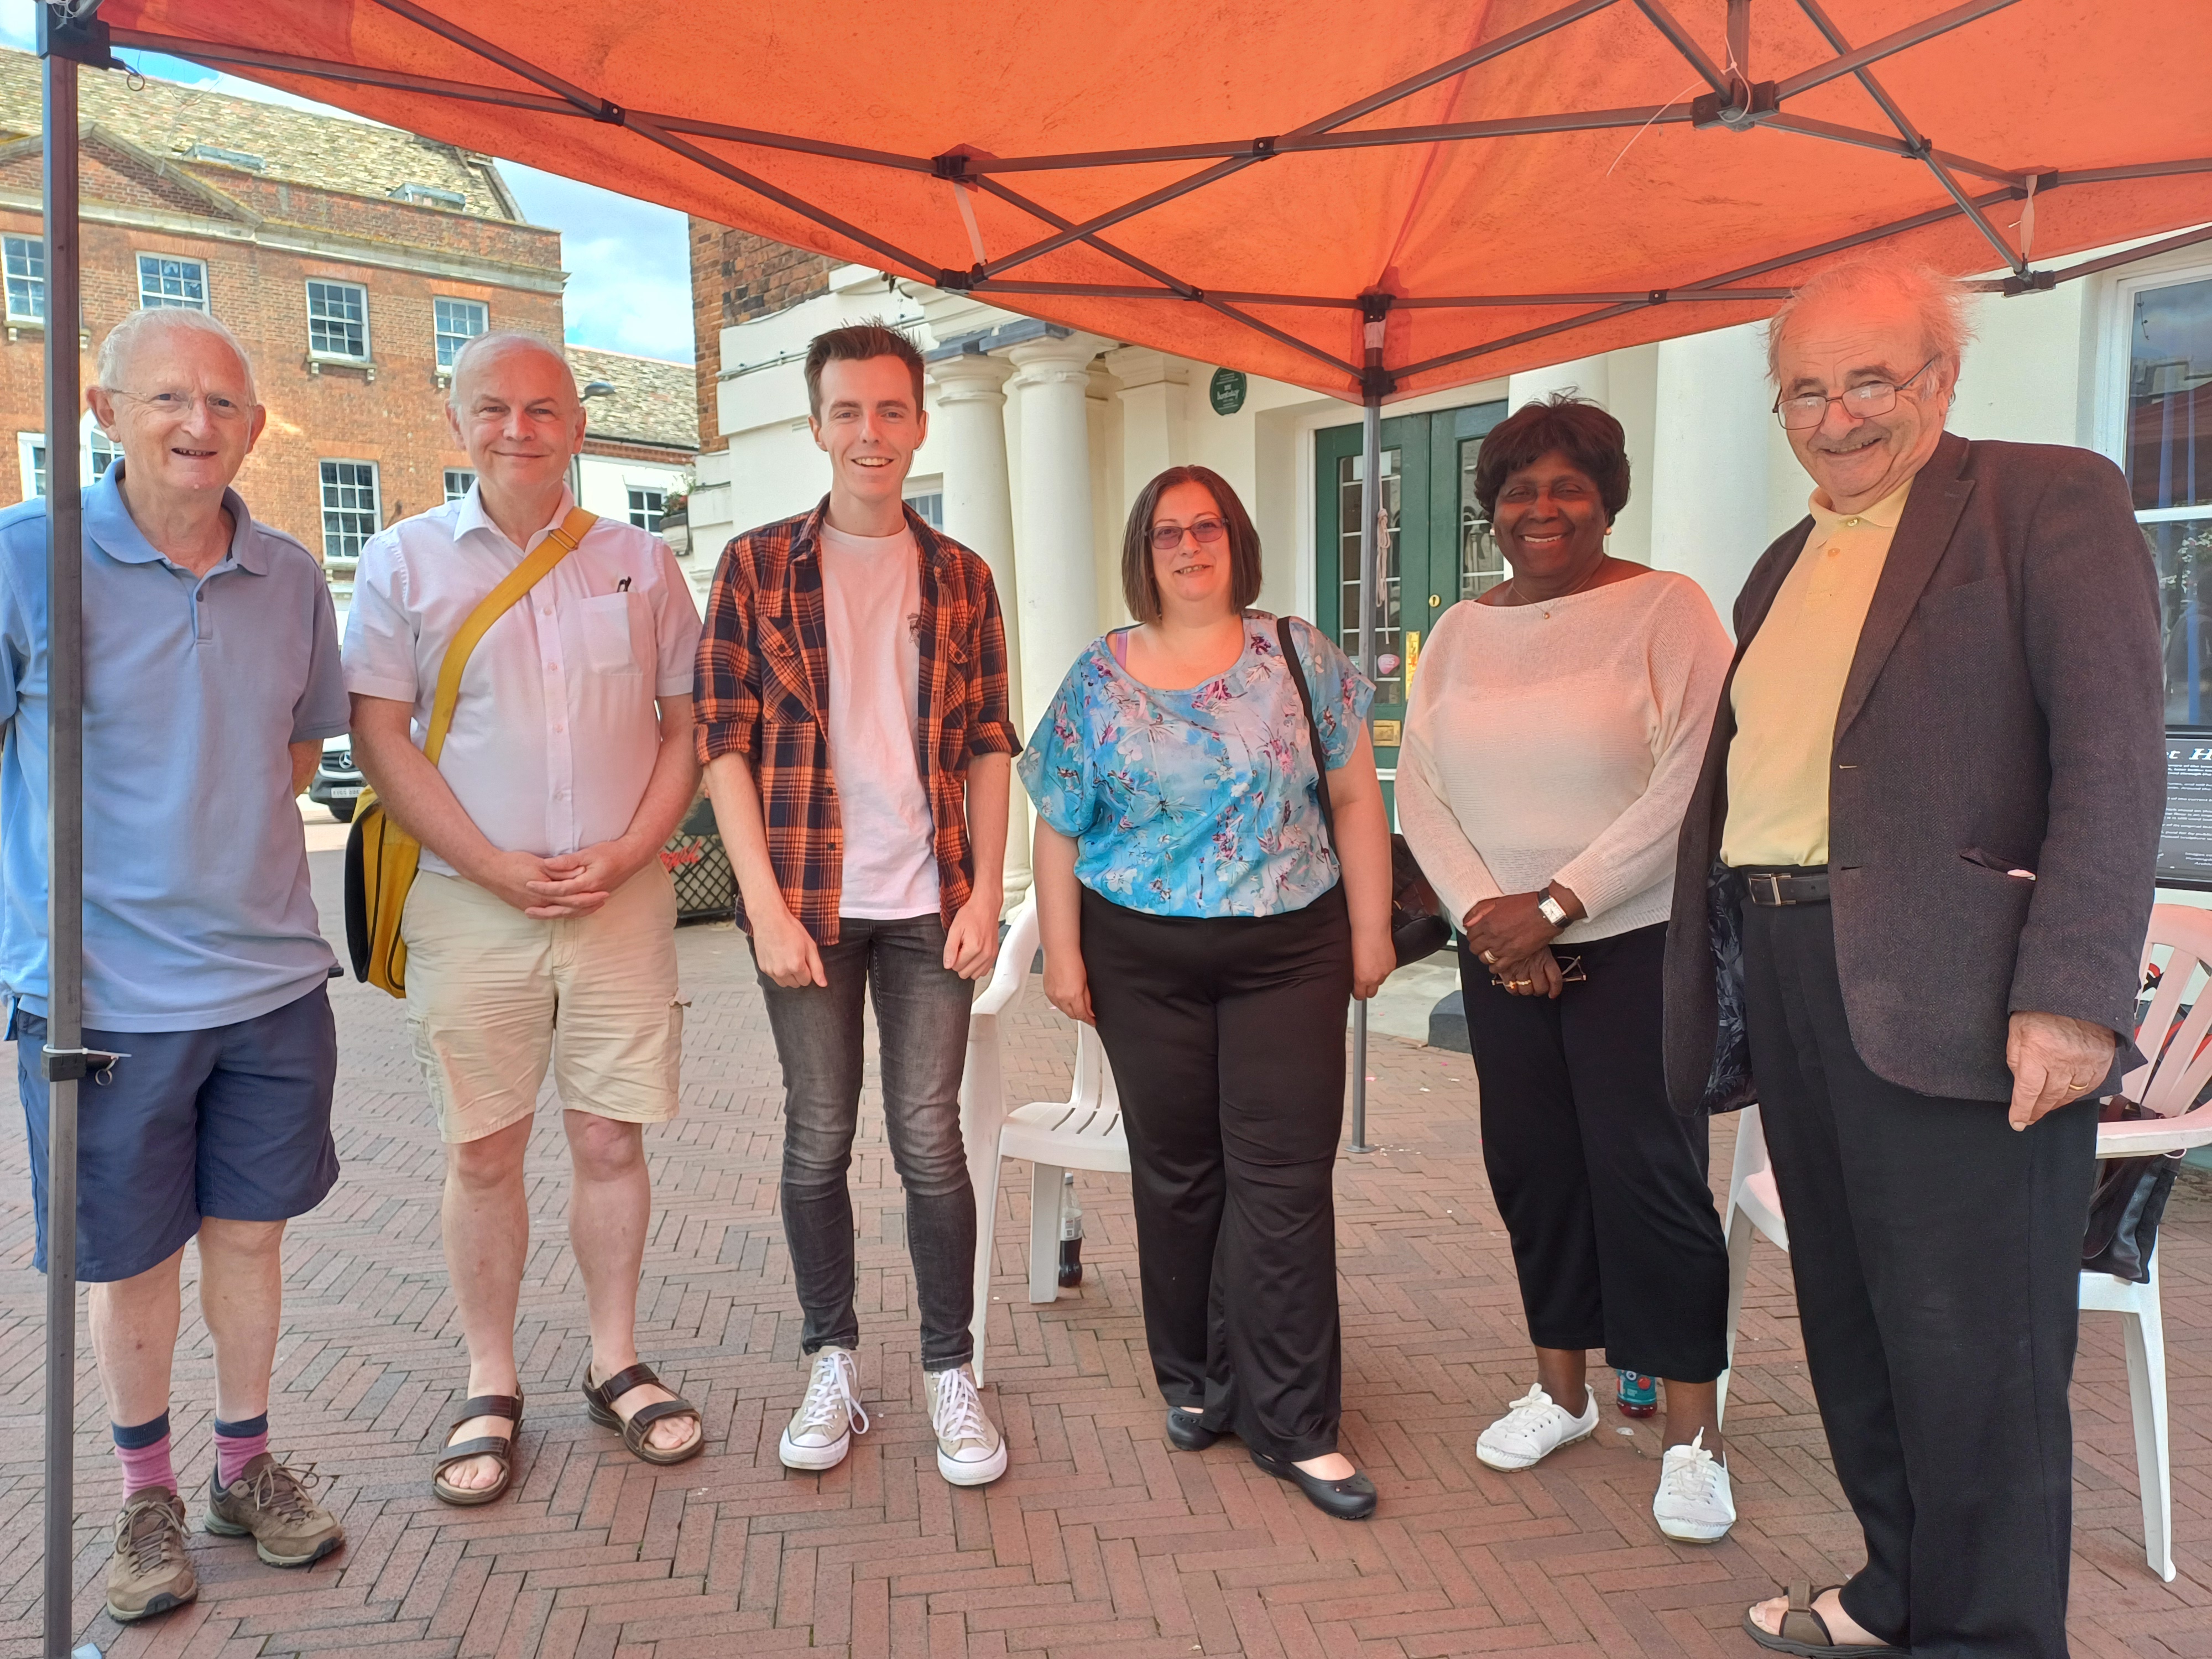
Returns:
(852,719)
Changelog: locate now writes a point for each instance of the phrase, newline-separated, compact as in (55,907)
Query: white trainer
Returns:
(1695,1502)
(1534,1427)
(821,1430)
(970,1451)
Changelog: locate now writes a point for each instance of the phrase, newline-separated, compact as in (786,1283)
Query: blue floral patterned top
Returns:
(1201,802)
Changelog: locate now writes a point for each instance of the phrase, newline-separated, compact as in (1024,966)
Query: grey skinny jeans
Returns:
(922,1020)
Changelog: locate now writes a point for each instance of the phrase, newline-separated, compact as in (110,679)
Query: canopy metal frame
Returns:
(1733,101)
(71,35)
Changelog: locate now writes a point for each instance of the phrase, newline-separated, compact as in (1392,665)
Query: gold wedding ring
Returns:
(1489,958)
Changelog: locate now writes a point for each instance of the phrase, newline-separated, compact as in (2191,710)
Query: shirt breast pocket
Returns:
(610,645)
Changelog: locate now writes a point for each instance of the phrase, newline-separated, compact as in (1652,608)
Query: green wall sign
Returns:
(1227,393)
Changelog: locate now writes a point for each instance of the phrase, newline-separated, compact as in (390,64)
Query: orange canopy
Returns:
(1501,183)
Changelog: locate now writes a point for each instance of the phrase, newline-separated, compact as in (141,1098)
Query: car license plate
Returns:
(345,791)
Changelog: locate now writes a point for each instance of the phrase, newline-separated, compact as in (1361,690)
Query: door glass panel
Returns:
(1481,566)
(2169,435)
(2182,550)
(1350,479)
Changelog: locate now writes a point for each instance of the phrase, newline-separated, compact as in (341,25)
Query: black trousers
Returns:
(1601,1184)
(1226,1037)
(1937,1254)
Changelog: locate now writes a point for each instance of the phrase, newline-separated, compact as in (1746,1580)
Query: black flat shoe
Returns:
(1352,1499)
(1186,1431)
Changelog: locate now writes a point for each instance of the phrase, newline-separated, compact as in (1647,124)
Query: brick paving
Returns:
(1099,1541)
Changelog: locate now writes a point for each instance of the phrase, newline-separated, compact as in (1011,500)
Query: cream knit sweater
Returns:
(1561,742)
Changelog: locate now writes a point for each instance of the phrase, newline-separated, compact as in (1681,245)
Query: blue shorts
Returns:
(233,1122)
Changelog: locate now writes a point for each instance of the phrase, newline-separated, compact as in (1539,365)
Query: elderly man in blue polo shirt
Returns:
(211,679)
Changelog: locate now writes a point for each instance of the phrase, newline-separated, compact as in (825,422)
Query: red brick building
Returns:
(736,275)
(353,260)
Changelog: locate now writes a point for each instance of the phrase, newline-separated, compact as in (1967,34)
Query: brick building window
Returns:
(31,463)
(163,281)
(351,513)
(27,279)
(459,321)
(645,508)
(459,479)
(337,319)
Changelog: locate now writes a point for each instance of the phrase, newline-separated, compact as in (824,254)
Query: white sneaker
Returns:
(821,1430)
(970,1451)
(1534,1427)
(1695,1503)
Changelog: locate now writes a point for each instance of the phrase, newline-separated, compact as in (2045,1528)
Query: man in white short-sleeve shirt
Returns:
(541,929)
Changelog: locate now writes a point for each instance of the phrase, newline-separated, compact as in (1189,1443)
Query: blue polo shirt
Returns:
(198,911)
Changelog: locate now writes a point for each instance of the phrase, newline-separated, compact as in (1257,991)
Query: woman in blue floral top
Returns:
(1194,908)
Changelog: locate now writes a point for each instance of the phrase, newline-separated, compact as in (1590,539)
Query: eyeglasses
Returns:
(1166,537)
(1862,403)
(1570,972)
(177,405)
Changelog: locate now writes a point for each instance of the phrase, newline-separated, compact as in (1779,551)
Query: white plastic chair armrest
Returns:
(1016,951)
(2140,1136)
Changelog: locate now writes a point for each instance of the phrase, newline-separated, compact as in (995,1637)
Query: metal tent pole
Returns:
(65,32)
(1370,508)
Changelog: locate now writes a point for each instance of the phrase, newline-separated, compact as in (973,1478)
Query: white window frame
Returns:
(345,561)
(632,509)
(436,333)
(207,293)
(27,446)
(452,472)
(320,354)
(24,318)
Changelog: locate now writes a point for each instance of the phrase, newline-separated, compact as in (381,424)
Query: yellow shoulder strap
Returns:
(556,546)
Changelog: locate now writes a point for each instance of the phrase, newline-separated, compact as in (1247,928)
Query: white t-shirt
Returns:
(872,610)
(555,734)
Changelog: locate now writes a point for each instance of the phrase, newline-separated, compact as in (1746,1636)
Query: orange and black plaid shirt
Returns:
(763,688)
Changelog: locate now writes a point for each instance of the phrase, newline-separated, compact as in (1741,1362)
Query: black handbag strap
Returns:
(1313,726)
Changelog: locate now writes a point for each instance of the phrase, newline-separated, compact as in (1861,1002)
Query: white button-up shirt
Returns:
(555,734)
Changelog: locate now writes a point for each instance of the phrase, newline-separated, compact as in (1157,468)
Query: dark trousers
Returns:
(1226,1037)
(922,1020)
(1601,1183)
(1937,1254)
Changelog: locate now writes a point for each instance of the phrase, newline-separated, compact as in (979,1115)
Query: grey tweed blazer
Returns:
(2005,710)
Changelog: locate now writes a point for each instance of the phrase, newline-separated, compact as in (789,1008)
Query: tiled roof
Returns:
(326,151)
(653,402)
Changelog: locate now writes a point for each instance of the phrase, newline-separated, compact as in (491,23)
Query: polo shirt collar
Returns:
(109,522)
(1884,514)
(472,515)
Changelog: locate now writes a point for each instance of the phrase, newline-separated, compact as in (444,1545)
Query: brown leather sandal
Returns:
(508,1406)
(1805,1634)
(599,1401)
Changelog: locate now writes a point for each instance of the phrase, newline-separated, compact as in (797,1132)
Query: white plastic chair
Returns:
(1082,1132)
(2175,1077)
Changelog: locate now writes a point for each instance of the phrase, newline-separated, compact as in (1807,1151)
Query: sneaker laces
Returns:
(144,1529)
(1687,1471)
(282,1491)
(830,1394)
(959,1414)
(1528,1410)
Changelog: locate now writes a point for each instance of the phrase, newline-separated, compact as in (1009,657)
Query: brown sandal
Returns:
(600,1402)
(502,1447)
(1805,1634)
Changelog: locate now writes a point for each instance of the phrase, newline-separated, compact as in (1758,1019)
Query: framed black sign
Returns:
(2185,845)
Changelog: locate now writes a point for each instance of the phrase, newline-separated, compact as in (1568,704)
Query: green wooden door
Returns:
(1438,550)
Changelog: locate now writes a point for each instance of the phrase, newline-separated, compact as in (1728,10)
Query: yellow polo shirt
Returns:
(1790,684)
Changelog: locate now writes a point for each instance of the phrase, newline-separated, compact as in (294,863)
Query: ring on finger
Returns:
(1490,956)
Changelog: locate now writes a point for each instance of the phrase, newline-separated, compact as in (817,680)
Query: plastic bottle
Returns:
(1638,1396)
(1071,1232)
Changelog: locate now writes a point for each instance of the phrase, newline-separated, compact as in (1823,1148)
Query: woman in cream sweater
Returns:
(1554,732)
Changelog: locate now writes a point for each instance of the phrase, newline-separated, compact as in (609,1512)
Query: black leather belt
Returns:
(1769,888)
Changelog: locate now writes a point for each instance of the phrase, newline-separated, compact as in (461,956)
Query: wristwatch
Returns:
(1553,911)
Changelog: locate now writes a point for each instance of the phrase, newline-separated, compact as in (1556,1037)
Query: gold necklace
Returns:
(1590,580)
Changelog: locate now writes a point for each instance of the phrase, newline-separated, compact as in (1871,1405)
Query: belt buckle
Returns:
(1773,889)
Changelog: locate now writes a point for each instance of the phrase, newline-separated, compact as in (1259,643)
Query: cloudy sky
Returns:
(629,281)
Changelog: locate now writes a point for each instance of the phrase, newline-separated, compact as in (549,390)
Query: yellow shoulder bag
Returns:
(381,858)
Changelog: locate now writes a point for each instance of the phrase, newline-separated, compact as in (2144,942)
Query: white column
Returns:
(1709,485)
(1155,394)
(1055,552)
(1585,376)
(968,436)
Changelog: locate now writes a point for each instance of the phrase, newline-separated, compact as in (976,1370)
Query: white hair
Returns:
(115,350)
(1943,304)
(486,346)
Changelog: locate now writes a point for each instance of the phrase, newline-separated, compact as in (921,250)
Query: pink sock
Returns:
(145,1463)
(237,1444)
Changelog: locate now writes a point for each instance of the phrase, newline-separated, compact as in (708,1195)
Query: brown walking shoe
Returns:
(149,1574)
(268,1500)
